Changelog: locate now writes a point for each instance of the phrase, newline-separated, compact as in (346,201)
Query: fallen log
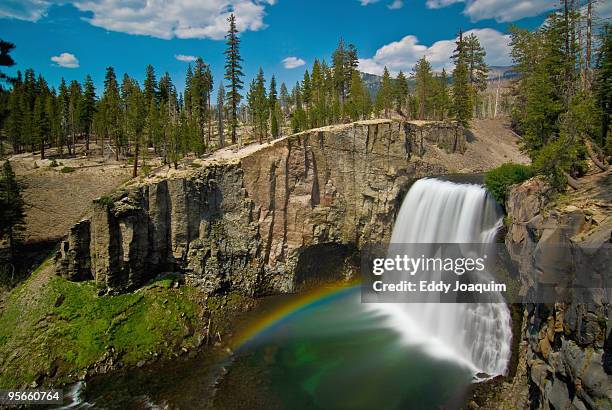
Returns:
(593,156)
(571,181)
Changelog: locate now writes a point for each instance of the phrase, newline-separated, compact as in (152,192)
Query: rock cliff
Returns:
(565,245)
(242,222)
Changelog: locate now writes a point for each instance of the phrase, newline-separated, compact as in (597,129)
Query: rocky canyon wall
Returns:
(242,222)
(565,245)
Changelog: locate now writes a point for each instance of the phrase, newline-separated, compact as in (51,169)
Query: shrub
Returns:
(499,180)
(67,170)
(105,200)
(53,164)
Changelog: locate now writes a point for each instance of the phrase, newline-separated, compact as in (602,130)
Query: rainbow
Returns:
(286,310)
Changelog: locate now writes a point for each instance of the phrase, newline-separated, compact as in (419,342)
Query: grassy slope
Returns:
(53,328)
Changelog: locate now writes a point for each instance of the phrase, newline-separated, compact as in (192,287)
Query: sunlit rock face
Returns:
(241,223)
(569,345)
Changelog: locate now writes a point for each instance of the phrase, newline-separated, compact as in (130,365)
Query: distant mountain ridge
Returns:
(372,82)
(501,72)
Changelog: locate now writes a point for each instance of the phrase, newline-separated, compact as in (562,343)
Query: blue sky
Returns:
(64,38)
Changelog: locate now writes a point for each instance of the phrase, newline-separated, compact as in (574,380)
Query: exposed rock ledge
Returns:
(568,346)
(242,220)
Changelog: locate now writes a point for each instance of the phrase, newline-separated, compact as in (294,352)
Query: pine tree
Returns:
(358,102)
(27,99)
(251,101)
(6,60)
(551,113)
(233,73)
(603,88)
(167,115)
(88,109)
(306,95)
(401,91)
(384,97)
(169,112)
(298,119)
(351,61)
(187,94)
(152,126)
(440,98)
(150,85)
(272,102)
(74,113)
(53,113)
(135,116)
(339,69)
(540,93)
(277,114)
(261,107)
(317,96)
(111,105)
(462,93)
(285,101)
(165,88)
(475,58)
(333,106)
(424,82)
(63,113)
(38,131)
(199,90)
(208,88)
(15,117)
(220,114)
(12,215)
(42,123)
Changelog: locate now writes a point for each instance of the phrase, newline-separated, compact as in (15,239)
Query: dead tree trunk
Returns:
(136,149)
(593,156)
(571,181)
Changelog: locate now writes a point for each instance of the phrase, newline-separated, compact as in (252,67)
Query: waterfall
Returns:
(477,335)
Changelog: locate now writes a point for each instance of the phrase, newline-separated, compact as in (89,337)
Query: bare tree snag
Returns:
(593,156)
(571,181)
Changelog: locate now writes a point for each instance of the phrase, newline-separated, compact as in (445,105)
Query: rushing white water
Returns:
(477,335)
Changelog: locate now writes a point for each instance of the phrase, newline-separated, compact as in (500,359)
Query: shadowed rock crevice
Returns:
(324,263)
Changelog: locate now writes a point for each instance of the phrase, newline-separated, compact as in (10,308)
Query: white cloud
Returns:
(394,5)
(66,60)
(397,4)
(403,54)
(438,4)
(293,62)
(500,10)
(185,58)
(30,10)
(157,18)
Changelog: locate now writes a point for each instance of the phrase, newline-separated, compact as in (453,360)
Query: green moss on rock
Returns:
(51,328)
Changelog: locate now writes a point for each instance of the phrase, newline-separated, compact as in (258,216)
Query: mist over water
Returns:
(477,335)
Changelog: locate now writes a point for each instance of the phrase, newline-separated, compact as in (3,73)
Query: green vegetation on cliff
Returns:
(499,180)
(53,328)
